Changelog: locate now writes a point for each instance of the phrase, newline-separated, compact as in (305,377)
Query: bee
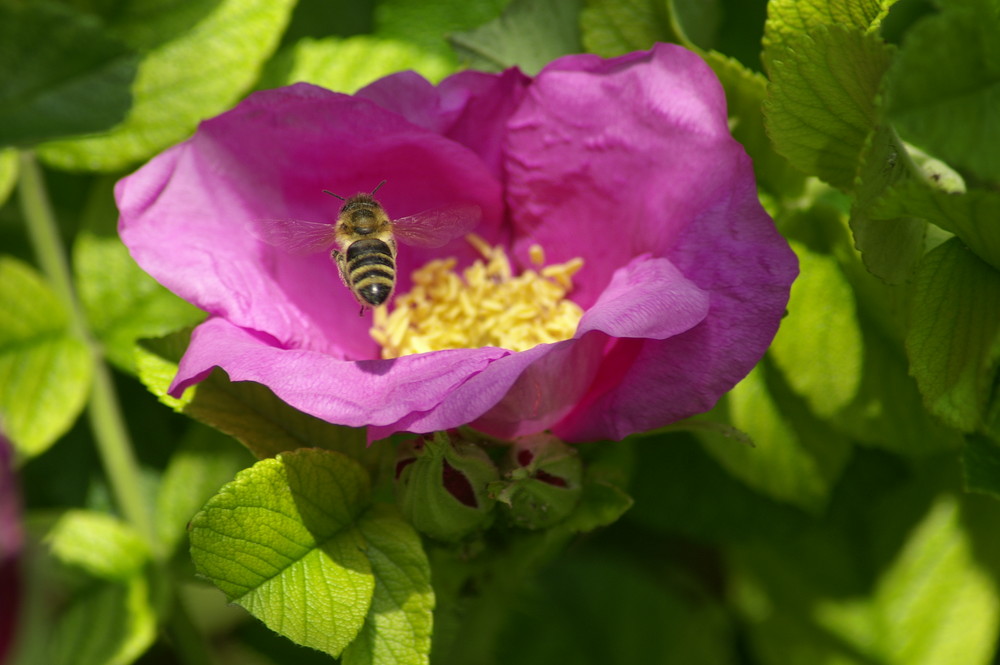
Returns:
(364,239)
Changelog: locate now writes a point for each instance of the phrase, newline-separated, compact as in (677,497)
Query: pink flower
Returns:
(11,543)
(627,163)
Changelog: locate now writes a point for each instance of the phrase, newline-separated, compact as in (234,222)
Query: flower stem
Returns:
(106,420)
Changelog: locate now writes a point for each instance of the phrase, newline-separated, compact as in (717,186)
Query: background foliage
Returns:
(861,527)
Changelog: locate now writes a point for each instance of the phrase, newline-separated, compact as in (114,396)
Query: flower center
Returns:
(486,306)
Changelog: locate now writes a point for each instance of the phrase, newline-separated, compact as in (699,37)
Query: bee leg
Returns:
(341,262)
(362,311)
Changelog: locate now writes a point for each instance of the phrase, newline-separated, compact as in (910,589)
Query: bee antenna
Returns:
(378,187)
(327,191)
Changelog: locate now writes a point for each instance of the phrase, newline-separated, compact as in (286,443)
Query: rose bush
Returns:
(627,163)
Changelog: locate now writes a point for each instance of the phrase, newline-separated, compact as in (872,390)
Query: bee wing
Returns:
(295,236)
(435,227)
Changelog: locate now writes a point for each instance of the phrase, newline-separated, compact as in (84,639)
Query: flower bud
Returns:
(441,486)
(542,482)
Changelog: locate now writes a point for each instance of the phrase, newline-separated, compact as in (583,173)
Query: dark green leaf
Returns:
(981,464)
(614,27)
(529,34)
(944,87)
(427,24)
(200,73)
(891,244)
(60,74)
(973,216)
(954,336)
(796,458)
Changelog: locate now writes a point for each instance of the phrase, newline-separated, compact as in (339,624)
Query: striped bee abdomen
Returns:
(371,270)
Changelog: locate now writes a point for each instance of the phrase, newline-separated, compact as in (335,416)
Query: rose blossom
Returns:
(626,163)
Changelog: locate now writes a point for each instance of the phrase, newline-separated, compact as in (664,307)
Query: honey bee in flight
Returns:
(365,239)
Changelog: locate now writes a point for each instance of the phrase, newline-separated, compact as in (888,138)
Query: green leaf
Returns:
(818,347)
(529,34)
(398,626)
(347,65)
(122,303)
(891,243)
(944,86)
(981,465)
(427,24)
(145,24)
(109,624)
(821,101)
(197,75)
(205,461)
(680,489)
(887,411)
(248,411)
(61,74)
(283,541)
(594,608)
(45,372)
(796,459)
(935,604)
(791,17)
(8,173)
(929,602)
(615,27)
(954,337)
(98,543)
(697,21)
(973,216)
(745,92)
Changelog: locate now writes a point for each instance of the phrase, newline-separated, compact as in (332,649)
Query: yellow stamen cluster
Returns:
(487,306)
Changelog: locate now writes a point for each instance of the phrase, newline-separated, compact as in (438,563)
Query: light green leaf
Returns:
(953,340)
(347,65)
(935,604)
(283,541)
(8,173)
(122,303)
(98,543)
(397,629)
(791,17)
(821,103)
(615,27)
(183,81)
(973,216)
(796,458)
(529,34)
(204,462)
(45,372)
(818,346)
(944,87)
(891,244)
(248,411)
(61,73)
(981,465)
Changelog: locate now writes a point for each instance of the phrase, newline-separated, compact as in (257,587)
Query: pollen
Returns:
(487,305)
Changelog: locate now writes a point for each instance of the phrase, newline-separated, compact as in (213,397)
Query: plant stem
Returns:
(106,420)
